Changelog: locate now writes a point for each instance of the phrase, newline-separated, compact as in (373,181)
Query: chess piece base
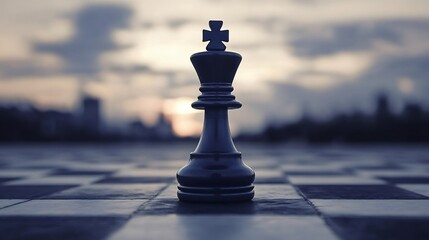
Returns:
(215,177)
(215,195)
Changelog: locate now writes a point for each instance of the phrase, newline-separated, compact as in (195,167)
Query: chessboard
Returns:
(129,192)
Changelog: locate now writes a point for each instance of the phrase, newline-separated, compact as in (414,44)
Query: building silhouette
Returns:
(90,114)
(162,130)
(382,126)
(28,124)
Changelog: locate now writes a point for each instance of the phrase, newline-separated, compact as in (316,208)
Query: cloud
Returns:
(177,22)
(384,76)
(130,69)
(93,36)
(323,88)
(389,71)
(351,81)
(325,40)
(11,69)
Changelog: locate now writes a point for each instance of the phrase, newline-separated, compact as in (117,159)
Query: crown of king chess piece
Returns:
(215,171)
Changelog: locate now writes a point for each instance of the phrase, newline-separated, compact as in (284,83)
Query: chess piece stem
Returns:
(216,129)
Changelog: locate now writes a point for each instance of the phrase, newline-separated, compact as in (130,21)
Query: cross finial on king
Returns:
(215,36)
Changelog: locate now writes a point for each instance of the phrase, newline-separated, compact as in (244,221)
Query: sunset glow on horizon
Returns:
(183,117)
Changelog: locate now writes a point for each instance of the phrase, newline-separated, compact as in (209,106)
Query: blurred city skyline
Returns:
(299,57)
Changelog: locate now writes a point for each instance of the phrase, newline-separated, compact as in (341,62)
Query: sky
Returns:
(312,57)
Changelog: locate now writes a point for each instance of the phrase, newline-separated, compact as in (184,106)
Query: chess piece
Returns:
(215,171)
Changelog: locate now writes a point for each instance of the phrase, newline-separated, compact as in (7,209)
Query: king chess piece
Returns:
(215,171)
